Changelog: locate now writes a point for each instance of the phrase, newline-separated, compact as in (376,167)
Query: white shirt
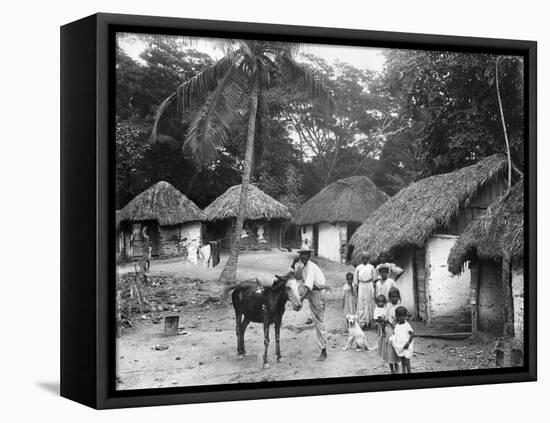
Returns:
(383,288)
(379,312)
(312,275)
(364,273)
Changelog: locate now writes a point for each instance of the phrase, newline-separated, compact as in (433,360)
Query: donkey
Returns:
(254,303)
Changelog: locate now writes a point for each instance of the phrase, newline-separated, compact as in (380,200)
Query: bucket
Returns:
(171,325)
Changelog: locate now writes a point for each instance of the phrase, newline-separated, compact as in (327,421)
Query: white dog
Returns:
(355,334)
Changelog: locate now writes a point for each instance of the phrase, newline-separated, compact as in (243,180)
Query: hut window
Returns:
(303,229)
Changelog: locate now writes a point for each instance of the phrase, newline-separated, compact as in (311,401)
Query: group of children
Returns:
(395,334)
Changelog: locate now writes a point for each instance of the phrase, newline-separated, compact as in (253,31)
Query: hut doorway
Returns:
(138,242)
(275,235)
(154,238)
(351,228)
(315,238)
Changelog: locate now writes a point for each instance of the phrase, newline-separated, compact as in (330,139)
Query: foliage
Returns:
(450,100)
(426,113)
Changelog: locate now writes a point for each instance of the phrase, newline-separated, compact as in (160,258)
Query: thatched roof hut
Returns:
(347,200)
(160,218)
(162,203)
(263,219)
(260,206)
(417,211)
(497,232)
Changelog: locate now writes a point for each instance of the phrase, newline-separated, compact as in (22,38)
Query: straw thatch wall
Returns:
(163,203)
(417,211)
(260,206)
(347,200)
(497,232)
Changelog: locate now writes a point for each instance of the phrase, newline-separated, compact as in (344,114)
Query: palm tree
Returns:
(234,91)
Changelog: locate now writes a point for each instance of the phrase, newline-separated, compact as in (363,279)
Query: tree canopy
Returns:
(426,113)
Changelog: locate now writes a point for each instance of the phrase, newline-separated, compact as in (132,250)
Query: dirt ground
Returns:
(205,350)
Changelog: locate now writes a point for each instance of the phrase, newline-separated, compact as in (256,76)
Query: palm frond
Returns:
(211,126)
(307,80)
(197,87)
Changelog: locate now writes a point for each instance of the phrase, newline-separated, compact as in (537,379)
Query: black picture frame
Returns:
(88,220)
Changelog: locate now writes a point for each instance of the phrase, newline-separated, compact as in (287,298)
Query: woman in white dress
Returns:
(364,280)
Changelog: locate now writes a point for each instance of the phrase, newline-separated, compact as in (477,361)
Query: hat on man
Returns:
(381,266)
(305,251)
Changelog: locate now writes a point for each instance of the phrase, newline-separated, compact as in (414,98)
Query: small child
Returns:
(379,316)
(387,352)
(402,339)
(349,302)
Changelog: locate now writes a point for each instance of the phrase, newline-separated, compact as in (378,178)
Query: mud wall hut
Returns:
(417,228)
(329,219)
(262,225)
(170,220)
(491,247)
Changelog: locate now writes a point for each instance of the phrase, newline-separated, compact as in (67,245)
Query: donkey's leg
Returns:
(244,325)
(238,318)
(277,339)
(266,342)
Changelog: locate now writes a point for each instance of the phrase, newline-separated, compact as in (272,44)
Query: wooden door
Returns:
(274,234)
(316,238)
(419,259)
(153,230)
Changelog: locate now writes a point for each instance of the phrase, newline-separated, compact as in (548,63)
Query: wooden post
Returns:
(475,276)
(137,285)
(427,284)
(507,300)
(118,313)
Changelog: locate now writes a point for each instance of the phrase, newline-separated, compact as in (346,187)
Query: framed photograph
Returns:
(258,211)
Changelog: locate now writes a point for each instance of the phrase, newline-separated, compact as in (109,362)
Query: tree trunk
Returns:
(229,273)
(504,127)
(507,300)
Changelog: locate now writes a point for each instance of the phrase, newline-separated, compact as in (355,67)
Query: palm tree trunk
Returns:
(229,273)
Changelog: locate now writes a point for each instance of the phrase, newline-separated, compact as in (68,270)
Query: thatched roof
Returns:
(417,211)
(347,200)
(498,231)
(163,203)
(260,205)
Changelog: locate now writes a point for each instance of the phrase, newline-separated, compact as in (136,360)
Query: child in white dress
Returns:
(349,300)
(379,313)
(402,339)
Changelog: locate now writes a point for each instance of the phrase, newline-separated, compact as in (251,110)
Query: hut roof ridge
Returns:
(351,199)
(414,213)
(495,233)
(161,202)
(259,205)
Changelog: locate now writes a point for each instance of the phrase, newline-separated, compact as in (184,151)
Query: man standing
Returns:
(364,277)
(314,282)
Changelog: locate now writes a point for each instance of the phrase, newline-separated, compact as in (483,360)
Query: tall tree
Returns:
(449,99)
(234,90)
(348,141)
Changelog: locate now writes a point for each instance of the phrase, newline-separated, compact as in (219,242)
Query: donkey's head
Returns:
(292,289)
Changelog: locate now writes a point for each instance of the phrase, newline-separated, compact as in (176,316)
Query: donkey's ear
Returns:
(279,278)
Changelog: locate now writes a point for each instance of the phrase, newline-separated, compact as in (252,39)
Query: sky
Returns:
(360,57)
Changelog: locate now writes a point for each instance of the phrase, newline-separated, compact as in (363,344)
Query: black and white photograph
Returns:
(293,211)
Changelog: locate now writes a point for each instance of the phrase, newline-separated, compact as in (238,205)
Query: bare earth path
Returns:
(206,351)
